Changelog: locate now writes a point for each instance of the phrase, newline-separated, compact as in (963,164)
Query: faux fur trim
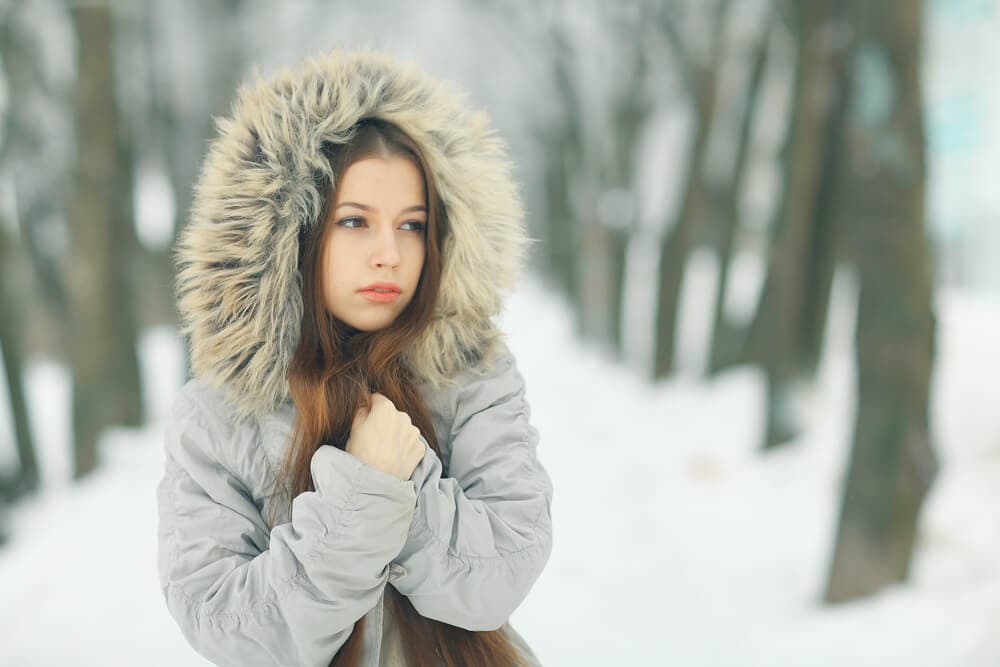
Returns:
(238,283)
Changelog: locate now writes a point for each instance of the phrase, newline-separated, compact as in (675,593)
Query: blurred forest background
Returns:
(786,146)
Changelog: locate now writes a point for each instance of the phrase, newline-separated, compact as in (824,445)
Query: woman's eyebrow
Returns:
(364,207)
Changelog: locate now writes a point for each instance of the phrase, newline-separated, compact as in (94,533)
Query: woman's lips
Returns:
(379,297)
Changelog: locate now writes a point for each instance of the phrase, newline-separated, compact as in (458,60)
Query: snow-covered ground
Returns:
(676,542)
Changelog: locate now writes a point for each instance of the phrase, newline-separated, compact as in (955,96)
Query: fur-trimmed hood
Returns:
(238,284)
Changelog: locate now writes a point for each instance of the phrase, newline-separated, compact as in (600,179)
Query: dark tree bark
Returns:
(25,478)
(676,244)
(558,228)
(102,353)
(723,344)
(563,163)
(125,397)
(892,463)
(588,252)
(775,338)
(630,111)
(33,157)
(619,254)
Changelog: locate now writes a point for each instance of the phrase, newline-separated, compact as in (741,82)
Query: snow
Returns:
(676,542)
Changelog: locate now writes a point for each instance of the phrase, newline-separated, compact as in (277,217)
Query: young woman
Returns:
(351,474)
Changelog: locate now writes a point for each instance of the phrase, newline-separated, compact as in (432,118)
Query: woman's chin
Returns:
(367,326)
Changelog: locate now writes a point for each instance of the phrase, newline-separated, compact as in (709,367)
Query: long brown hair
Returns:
(334,368)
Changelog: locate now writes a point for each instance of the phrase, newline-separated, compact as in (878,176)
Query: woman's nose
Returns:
(386,248)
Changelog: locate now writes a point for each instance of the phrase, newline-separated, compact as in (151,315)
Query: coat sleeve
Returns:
(243,595)
(481,536)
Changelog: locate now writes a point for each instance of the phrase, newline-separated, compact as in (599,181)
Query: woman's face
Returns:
(379,216)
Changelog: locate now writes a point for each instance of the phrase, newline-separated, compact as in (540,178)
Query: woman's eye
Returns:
(417,225)
(354,223)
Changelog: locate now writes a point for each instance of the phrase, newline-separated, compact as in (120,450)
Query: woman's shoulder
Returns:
(203,423)
(492,379)
(200,401)
(489,365)
(495,372)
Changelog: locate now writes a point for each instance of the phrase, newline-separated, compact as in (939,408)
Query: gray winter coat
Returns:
(468,534)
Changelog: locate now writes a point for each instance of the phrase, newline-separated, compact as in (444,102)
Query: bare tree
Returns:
(562,138)
(590,149)
(892,463)
(727,213)
(30,282)
(25,478)
(700,70)
(103,345)
(800,267)
(37,139)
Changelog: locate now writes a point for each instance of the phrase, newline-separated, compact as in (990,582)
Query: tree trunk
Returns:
(892,463)
(630,112)
(19,72)
(676,244)
(563,164)
(594,271)
(825,241)
(557,221)
(125,396)
(722,346)
(775,336)
(27,158)
(90,266)
(619,253)
(608,233)
(26,478)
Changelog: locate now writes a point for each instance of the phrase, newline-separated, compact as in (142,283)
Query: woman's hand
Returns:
(385,438)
